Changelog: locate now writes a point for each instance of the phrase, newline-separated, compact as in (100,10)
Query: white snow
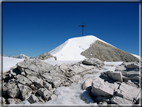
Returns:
(52,61)
(71,49)
(137,56)
(9,62)
(113,63)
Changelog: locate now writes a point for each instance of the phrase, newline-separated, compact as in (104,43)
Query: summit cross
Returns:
(82,27)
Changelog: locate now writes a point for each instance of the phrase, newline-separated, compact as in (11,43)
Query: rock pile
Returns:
(36,81)
(119,87)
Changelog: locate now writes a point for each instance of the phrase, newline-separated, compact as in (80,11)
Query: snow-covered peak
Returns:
(22,56)
(70,50)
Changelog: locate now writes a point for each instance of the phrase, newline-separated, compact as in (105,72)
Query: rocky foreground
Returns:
(36,82)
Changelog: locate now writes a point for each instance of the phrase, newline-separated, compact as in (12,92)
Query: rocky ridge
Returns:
(46,56)
(22,56)
(36,82)
(106,52)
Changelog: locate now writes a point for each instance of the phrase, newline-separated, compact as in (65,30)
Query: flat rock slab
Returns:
(131,65)
(25,91)
(13,90)
(120,68)
(128,92)
(117,76)
(35,65)
(87,66)
(101,88)
(120,101)
(33,99)
(24,80)
(77,69)
(93,61)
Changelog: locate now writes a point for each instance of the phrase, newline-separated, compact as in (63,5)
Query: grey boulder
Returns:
(121,101)
(93,61)
(33,99)
(103,88)
(44,93)
(131,65)
(87,83)
(12,90)
(23,80)
(25,91)
(116,76)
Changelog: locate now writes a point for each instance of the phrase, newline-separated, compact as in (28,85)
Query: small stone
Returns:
(120,100)
(45,93)
(13,90)
(33,99)
(25,91)
(47,85)
(87,84)
(52,97)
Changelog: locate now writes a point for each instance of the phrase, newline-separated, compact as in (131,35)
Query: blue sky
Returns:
(36,28)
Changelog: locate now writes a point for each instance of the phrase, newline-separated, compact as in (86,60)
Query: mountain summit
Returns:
(80,48)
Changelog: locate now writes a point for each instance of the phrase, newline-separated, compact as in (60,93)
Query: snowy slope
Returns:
(71,49)
(137,56)
(9,62)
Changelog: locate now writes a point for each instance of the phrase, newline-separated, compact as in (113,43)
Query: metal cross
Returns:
(82,27)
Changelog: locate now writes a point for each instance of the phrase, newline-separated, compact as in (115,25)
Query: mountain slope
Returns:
(71,49)
(22,56)
(89,46)
(106,52)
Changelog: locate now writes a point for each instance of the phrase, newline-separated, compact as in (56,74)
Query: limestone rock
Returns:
(121,101)
(36,81)
(31,73)
(24,80)
(47,85)
(131,75)
(47,77)
(120,67)
(25,91)
(33,99)
(101,88)
(102,99)
(75,78)
(93,61)
(77,68)
(56,83)
(64,67)
(44,93)
(12,90)
(128,92)
(116,76)
(87,84)
(87,66)
(46,56)
(52,97)
(13,100)
(35,65)
(132,65)
(25,102)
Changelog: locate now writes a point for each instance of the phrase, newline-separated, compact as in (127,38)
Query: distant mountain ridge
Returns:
(80,48)
(22,56)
